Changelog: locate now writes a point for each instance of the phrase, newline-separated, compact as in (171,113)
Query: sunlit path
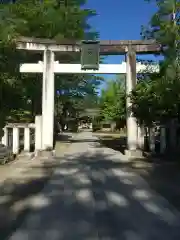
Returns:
(92,195)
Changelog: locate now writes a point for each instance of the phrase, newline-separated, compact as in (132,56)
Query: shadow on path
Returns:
(94,196)
(162,174)
(118,144)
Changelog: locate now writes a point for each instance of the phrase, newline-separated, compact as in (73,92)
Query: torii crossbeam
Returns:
(63,68)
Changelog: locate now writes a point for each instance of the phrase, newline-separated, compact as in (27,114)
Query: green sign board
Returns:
(90,55)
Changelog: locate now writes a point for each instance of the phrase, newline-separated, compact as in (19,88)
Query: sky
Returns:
(120,20)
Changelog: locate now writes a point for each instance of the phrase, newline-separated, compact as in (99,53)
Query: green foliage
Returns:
(156,97)
(153,100)
(165,28)
(44,19)
(112,101)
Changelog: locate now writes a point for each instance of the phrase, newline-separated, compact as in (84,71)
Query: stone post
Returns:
(132,129)
(38,133)
(141,137)
(27,139)
(162,139)
(15,140)
(48,101)
(5,136)
(152,140)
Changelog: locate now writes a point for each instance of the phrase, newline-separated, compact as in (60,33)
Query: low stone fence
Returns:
(17,135)
(159,139)
(20,137)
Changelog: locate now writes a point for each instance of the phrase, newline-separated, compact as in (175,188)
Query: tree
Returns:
(112,101)
(48,19)
(156,98)
(165,28)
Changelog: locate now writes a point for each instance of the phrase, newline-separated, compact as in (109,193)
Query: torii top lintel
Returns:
(107,47)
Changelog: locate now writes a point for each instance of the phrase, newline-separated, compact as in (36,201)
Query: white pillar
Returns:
(48,100)
(152,140)
(5,137)
(38,133)
(130,85)
(27,139)
(162,140)
(15,140)
(140,137)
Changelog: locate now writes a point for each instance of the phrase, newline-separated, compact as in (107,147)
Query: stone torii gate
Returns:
(49,67)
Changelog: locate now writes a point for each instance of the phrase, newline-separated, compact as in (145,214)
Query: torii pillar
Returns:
(131,121)
(48,100)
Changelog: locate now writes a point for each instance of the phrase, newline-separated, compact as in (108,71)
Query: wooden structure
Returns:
(107,47)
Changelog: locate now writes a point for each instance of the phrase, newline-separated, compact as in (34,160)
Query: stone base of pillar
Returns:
(134,153)
(26,154)
(44,154)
